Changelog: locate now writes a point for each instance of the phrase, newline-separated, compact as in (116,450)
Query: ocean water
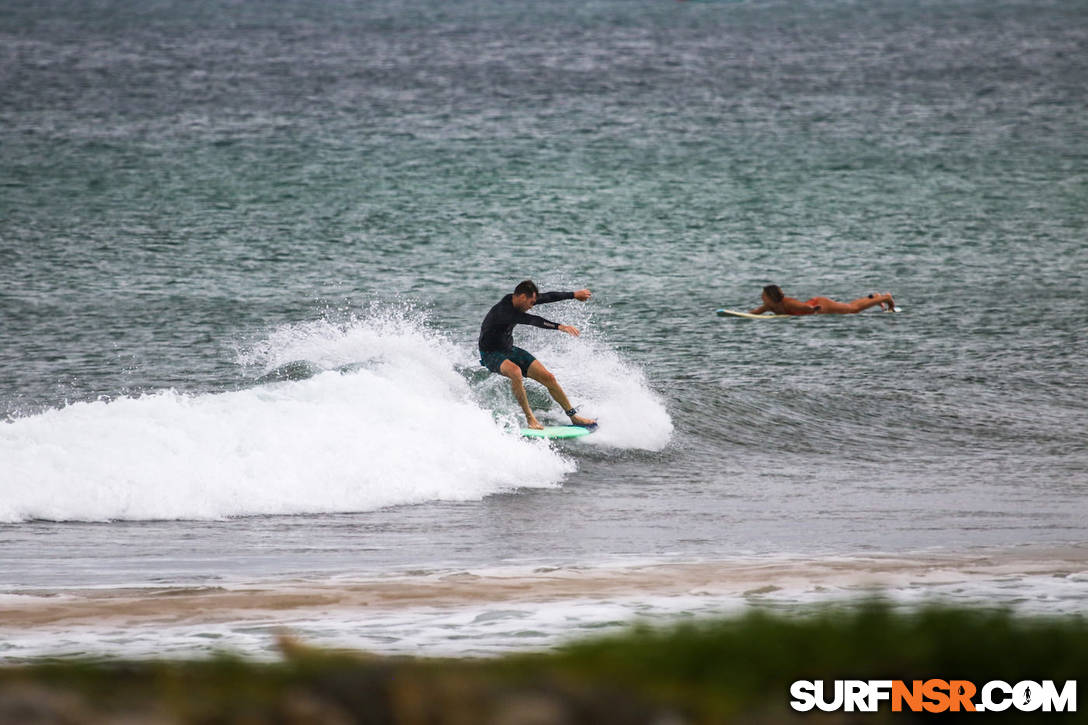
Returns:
(245,248)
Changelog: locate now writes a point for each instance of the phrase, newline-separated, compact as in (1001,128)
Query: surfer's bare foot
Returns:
(579,420)
(535,424)
(888,305)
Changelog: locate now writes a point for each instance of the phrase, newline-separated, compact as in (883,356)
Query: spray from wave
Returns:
(602,385)
(351,416)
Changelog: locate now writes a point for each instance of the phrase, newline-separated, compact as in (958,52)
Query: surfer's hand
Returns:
(582,295)
(572,331)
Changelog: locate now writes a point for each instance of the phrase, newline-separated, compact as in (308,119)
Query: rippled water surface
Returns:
(245,249)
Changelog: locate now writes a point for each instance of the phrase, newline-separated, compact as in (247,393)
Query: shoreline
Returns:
(746,578)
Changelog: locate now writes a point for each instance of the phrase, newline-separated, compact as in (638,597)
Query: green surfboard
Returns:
(557,432)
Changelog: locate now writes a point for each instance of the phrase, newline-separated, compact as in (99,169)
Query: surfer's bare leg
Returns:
(873,300)
(512,371)
(541,374)
(831,307)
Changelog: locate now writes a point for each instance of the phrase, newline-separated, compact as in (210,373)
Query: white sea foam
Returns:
(388,420)
(402,429)
(603,386)
(596,378)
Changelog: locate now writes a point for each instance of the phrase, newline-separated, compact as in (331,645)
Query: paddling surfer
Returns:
(498,354)
(775,301)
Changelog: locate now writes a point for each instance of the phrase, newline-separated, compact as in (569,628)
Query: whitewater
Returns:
(344,416)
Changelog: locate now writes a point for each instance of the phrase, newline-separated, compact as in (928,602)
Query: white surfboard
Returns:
(749,316)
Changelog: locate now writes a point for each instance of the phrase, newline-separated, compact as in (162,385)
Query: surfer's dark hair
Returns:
(526,288)
(774,292)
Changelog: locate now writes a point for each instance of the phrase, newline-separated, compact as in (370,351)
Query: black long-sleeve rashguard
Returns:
(497,330)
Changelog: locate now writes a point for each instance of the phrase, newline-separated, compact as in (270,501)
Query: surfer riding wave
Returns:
(499,355)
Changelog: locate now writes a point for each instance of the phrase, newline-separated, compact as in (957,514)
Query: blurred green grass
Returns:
(729,670)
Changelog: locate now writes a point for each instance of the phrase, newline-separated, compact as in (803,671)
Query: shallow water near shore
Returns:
(490,611)
(245,250)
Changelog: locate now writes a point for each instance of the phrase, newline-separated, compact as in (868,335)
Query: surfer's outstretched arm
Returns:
(524,318)
(545,297)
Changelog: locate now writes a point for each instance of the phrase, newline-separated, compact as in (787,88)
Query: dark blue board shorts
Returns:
(492,359)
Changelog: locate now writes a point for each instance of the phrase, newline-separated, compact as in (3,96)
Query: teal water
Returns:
(233,199)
